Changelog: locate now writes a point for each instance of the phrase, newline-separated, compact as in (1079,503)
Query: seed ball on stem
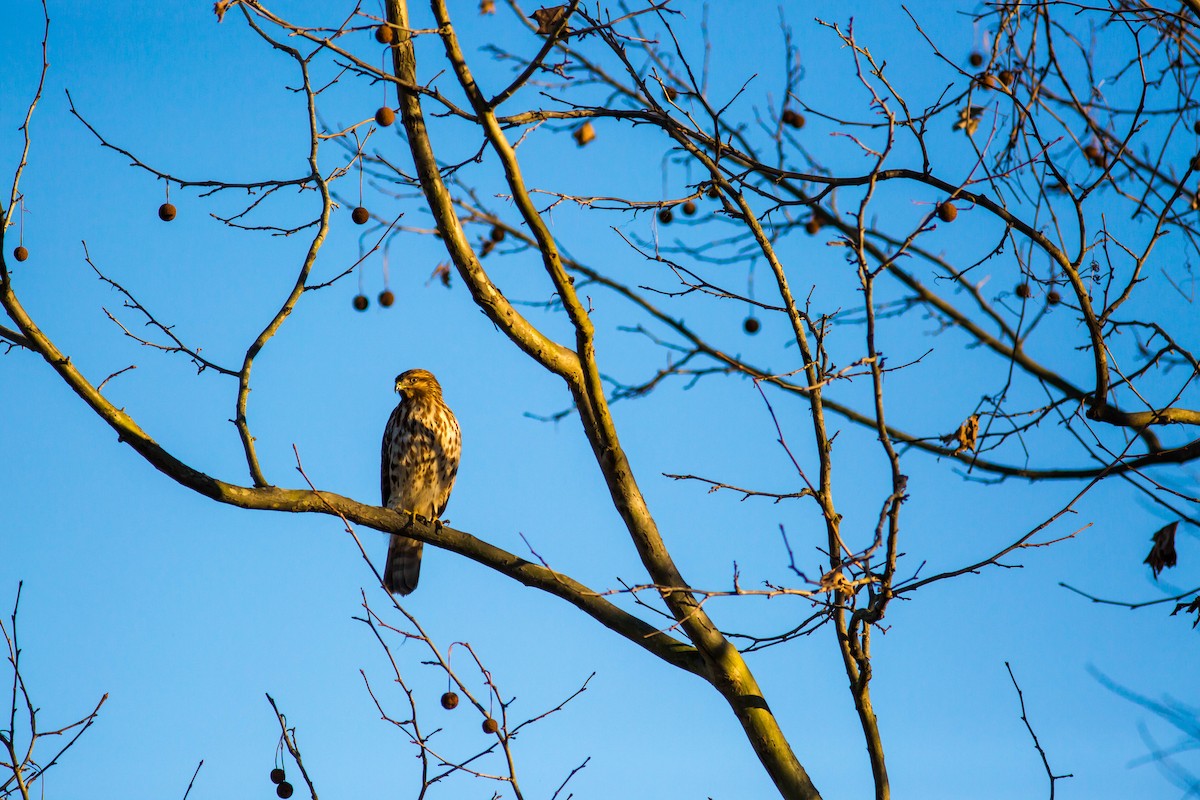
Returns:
(689,208)
(20,253)
(450,701)
(277,776)
(386,298)
(384,34)
(665,216)
(490,725)
(385,117)
(361,302)
(751,325)
(360,216)
(166,212)
(947,212)
(1023,291)
(284,790)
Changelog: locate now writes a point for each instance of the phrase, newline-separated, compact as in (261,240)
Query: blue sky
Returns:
(186,611)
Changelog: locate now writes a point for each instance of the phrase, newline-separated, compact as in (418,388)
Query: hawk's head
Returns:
(417,383)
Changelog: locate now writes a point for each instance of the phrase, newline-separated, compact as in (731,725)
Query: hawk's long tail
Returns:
(403,565)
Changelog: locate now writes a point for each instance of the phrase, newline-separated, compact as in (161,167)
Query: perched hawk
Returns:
(421,447)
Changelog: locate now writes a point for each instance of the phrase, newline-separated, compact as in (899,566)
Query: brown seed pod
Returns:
(688,208)
(384,34)
(166,212)
(1092,152)
(986,80)
(497,234)
(490,725)
(277,776)
(1007,77)
(793,119)
(1053,297)
(665,216)
(584,134)
(713,193)
(385,117)
(386,298)
(814,225)
(975,59)
(947,212)
(284,790)
(670,93)
(361,302)
(751,325)
(450,701)
(20,253)
(360,216)
(1023,291)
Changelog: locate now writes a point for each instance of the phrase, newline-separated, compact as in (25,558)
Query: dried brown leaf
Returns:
(968,119)
(220,7)
(549,18)
(487,6)
(968,434)
(1162,553)
(1192,608)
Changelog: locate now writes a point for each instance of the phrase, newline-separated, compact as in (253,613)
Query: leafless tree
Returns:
(1060,155)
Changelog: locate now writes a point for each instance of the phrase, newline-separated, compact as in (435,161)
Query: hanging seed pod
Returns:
(360,216)
(497,234)
(975,59)
(665,216)
(450,701)
(689,208)
(361,302)
(751,325)
(1053,297)
(284,790)
(166,212)
(384,34)
(386,298)
(490,725)
(20,253)
(1023,291)
(584,134)
(277,776)
(947,212)
(385,117)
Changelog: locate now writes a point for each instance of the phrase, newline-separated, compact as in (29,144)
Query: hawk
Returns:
(421,448)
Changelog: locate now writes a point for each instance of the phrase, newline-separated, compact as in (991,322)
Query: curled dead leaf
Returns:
(968,119)
(487,6)
(1162,553)
(835,581)
(548,19)
(440,273)
(1191,608)
(967,435)
(220,7)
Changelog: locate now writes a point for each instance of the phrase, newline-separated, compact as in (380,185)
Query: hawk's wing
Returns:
(389,433)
